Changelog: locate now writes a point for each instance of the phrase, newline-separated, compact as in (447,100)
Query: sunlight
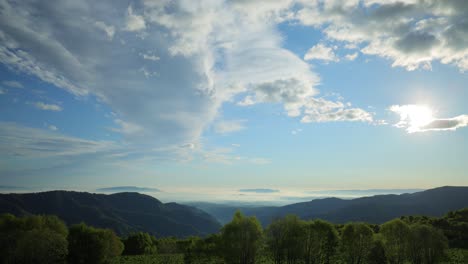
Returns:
(419,116)
(413,117)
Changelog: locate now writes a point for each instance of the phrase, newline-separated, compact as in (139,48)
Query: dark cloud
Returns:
(416,42)
(261,190)
(127,189)
(447,124)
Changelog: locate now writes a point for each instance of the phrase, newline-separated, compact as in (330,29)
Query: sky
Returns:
(207,99)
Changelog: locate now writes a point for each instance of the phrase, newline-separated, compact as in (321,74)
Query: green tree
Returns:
(41,246)
(426,245)
(356,241)
(395,234)
(32,239)
(139,244)
(167,247)
(88,245)
(377,252)
(320,242)
(275,237)
(241,239)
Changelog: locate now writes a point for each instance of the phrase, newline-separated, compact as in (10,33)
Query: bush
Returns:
(88,245)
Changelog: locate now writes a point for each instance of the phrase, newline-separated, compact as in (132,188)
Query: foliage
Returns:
(321,241)
(415,240)
(241,239)
(32,239)
(150,259)
(356,242)
(41,246)
(139,244)
(426,245)
(88,245)
(395,234)
(377,252)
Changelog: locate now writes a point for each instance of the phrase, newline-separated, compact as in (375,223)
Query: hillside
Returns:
(122,212)
(374,209)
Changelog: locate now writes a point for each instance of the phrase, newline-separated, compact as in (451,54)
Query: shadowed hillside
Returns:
(122,212)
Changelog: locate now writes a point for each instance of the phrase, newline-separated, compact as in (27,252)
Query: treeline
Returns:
(288,240)
(291,240)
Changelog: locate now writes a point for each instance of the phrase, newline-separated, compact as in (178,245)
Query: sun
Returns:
(419,115)
(413,117)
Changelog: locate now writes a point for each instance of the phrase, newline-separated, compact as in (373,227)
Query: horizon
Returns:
(225,196)
(278,101)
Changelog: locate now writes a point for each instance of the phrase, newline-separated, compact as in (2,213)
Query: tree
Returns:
(92,245)
(284,239)
(395,234)
(41,246)
(32,239)
(241,239)
(426,245)
(275,237)
(356,242)
(139,244)
(377,252)
(320,242)
(167,246)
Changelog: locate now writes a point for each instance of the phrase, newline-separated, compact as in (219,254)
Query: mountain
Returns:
(123,212)
(374,209)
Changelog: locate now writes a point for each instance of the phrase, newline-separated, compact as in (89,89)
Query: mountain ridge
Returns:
(123,212)
(375,209)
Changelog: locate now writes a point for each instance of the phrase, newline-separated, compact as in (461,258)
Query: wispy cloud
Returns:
(259,190)
(127,189)
(229,126)
(13,84)
(109,30)
(47,107)
(134,22)
(321,52)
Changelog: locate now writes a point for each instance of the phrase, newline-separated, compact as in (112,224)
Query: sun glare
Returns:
(419,115)
(414,117)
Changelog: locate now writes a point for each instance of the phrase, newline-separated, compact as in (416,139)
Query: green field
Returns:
(454,256)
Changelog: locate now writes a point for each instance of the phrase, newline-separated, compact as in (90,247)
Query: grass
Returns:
(151,259)
(454,256)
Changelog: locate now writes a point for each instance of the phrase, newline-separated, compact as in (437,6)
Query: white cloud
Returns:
(149,56)
(296,131)
(127,128)
(229,126)
(204,61)
(47,107)
(299,99)
(418,118)
(321,52)
(322,110)
(109,30)
(3,91)
(412,34)
(13,84)
(352,56)
(134,22)
(21,141)
(52,127)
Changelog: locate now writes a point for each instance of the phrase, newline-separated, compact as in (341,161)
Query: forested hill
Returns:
(374,209)
(122,212)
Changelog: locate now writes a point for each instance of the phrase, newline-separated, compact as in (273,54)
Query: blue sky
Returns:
(200,99)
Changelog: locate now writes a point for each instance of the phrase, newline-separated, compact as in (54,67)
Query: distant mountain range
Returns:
(129,212)
(374,209)
(123,212)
